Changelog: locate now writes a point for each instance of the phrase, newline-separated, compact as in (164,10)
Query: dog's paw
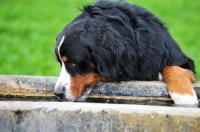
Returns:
(184,99)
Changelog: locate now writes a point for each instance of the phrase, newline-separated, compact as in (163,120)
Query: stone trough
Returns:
(28,104)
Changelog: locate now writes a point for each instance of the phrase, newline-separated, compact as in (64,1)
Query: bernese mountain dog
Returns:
(117,41)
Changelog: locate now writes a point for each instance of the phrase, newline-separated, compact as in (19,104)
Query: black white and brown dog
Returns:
(121,42)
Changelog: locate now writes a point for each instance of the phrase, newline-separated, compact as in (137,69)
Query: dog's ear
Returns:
(102,53)
(103,61)
(108,49)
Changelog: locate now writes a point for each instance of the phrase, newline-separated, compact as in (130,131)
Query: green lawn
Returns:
(28,30)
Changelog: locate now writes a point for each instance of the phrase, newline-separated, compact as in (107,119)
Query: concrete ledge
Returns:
(44,86)
(27,85)
(91,117)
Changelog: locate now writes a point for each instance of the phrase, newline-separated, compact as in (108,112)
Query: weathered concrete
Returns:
(23,116)
(43,86)
(91,117)
(27,85)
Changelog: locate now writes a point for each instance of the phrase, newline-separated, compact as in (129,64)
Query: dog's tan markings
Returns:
(64,58)
(56,57)
(79,82)
(92,65)
(179,80)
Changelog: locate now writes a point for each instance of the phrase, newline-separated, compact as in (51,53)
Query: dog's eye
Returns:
(72,64)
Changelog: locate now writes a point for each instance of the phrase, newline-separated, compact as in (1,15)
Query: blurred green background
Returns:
(28,29)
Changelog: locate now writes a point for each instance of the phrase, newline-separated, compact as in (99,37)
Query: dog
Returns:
(117,41)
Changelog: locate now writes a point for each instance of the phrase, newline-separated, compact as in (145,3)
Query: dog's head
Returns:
(93,46)
(81,65)
(78,68)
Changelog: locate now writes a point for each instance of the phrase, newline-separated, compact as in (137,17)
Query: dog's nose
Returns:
(60,95)
(59,92)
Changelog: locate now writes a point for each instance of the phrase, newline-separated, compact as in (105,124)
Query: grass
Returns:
(28,30)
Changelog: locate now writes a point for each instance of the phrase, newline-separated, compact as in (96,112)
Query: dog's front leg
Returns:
(179,82)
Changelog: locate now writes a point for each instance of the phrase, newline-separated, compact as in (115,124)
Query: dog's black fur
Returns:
(123,41)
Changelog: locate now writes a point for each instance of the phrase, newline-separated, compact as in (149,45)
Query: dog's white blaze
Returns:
(160,77)
(64,79)
(184,99)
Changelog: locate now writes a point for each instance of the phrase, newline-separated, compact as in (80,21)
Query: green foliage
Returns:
(28,30)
